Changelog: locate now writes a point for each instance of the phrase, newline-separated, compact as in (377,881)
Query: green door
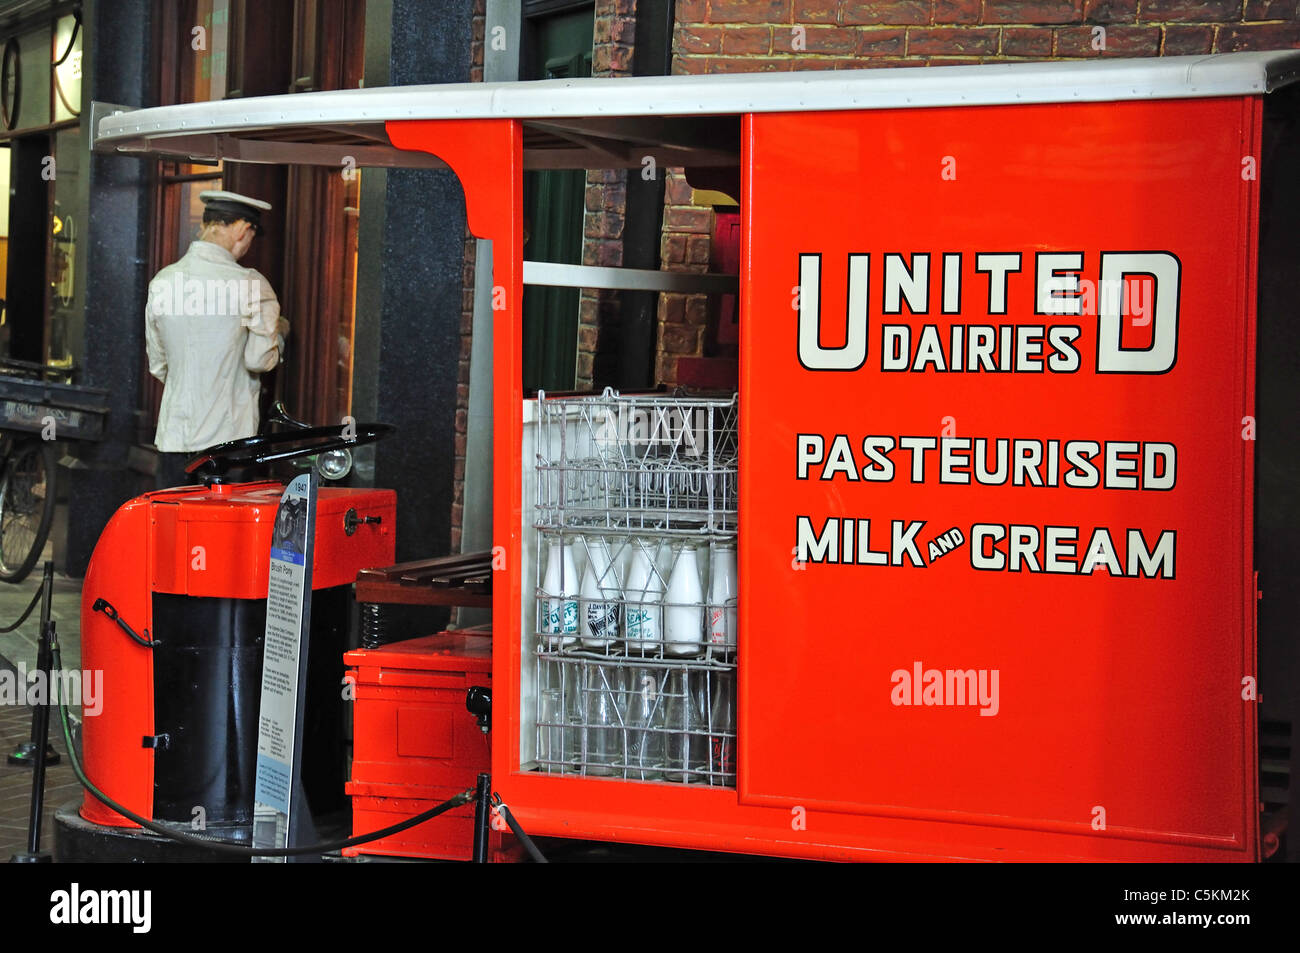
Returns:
(553,206)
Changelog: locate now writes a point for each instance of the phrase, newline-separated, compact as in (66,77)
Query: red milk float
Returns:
(991,472)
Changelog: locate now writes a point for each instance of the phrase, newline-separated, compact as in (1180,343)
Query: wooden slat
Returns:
(443,567)
(393,594)
(460,580)
(458,577)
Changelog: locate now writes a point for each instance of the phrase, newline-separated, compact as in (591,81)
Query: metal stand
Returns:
(482,818)
(41,732)
(25,754)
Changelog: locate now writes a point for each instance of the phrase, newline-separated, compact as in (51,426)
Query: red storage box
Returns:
(415,745)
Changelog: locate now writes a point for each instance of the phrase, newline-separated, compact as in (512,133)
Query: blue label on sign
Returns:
(273,783)
(287,556)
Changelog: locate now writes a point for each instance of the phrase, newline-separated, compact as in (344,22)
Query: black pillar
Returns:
(119,69)
(1277,456)
(409,283)
(29,224)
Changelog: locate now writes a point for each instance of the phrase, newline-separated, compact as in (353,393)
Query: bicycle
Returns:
(28,494)
(39,406)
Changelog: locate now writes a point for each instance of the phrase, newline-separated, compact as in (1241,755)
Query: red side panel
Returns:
(213,542)
(1117,716)
(118,571)
(414,744)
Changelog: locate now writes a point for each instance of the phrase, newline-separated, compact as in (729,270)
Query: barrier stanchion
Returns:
(482,813)
(25,754)
(41,731)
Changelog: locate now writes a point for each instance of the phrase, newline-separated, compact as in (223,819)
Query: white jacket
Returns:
(211,327)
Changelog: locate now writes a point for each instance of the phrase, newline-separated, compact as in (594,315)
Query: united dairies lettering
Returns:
(1142,286)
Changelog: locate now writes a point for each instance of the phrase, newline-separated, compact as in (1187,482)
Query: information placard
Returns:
(276,820)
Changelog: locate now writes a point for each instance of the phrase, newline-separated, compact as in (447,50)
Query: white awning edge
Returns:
(652,98)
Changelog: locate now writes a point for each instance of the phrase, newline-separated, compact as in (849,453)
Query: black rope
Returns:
(524,839)
(212,843)
(26,612)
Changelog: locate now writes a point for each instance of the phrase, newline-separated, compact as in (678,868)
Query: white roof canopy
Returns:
(613,123)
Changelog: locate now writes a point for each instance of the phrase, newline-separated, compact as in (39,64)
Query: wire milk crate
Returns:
(639,721)
(634,629)
(666,463)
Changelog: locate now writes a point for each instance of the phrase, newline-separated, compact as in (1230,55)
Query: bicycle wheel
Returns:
(27,501)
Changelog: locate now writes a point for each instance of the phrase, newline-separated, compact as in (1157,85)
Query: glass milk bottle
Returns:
(603,720)
(643,609)
(722,595)
(687,756)
(722,730)
(561,587)
(556,691)
(645,721)
(683,609)
(599,598)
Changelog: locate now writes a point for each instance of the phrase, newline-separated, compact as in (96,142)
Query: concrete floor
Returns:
(65,610)
(61,786)
(18,647)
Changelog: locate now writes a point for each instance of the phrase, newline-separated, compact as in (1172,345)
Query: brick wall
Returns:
(683,246)
(736,36)
(724,36)
(606,202)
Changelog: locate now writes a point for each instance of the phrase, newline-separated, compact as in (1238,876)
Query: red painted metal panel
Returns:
(214,542)
(113,757)
(487,157)
(1115,690)
(415,744)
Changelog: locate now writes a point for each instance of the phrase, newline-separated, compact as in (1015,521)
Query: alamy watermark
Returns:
(78,906)
(682,428)
(956,687)
(211,296)
(38,688)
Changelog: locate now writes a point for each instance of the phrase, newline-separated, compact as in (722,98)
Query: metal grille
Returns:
(636,720)
(635,656)
(666,464)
